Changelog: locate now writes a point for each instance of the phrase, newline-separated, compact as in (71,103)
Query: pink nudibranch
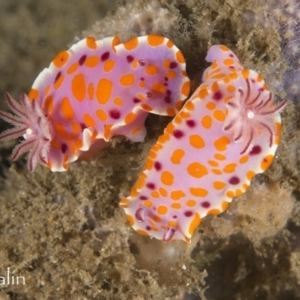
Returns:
(227,132)
(92,92)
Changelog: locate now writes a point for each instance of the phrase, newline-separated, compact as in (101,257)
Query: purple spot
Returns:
(105,56)
(173,65)
(169,92)
(57,76)
(150,185)
(142,62)
(167,99)
(142,78)
(129,58)
(148,228)
(63,148)
(166,78)
(82,60)
(218,95)
(191,123)
(143,198)
(255,150)
(178,134)
(140,214)
(136,100)
(231,55)
(234,180)
(157,166)
(174,217)
(115,114)
(188,213)
(205,204)
(82,126)
(165,84)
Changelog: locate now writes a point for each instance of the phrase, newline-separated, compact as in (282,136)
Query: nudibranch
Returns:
(96,90)
(227,132)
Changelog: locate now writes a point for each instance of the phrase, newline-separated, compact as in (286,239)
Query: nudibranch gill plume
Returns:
(92,92)
(227,132)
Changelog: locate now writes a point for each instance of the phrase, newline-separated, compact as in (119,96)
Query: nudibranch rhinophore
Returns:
(227,132)
(92,92)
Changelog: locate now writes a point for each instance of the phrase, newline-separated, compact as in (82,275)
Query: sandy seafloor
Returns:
(64,232)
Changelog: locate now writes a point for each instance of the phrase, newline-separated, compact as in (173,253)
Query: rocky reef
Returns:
(65,233)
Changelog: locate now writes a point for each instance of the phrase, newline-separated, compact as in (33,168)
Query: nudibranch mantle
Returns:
(227,132)
(92,92)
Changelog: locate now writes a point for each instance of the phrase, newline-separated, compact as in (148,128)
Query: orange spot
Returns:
(166,64)
(148,203)
(92,61)
(91,42)
(49,104)
(163,192)
(73,68)
(219,156)
(191,203)
(210,105)
(213,163)
(78,143)
(178,119)
(216,171)
(245,73)
(140,183)
(116,41)
(55,143)
(109,65)
(88,120)
(171,74)
(104,89)
(170,112)
(189,105)
(224,48)
(196,141)
(185,89)
(47,90)
(146,107)
(67,109)
(230,194)
(266,162)
(250,175)
(230,88)
(107,131)
(197,170)
(158,88)
(184,114)
(203,93)
(198,192)
(142,232)
(221,143)
(59,82)
(155,194)
(155,40)
(90,91)
(78,87)
(101,115)
(215,87)
(259,78)
(219,185)
(214,212)
(152,154)
(177,156)
(176,205)
(149,164)
(228,62)
(131,44)
(65,162)
(230,168)
(142,83)
(234,76)
(136,130)
(238,192)
(179,104)
(33,94)
(163,138)
(152,70)
(162,210)
(194,224)
(243,159)
(206,122)
(123,203)
(176,195)
(61,131)
(278,133)
(170,44)
(60,59)
(180,57)
(219,115)
(130,118)
(167,178)
(156,219)
(118,101)
(127,80)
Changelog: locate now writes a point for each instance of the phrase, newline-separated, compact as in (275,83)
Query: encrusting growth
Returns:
(92,92)
(227,132)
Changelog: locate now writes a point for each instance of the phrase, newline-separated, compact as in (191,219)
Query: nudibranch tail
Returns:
(227,132)
(94,91)
(31,123)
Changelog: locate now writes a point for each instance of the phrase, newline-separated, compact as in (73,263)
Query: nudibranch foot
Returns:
(31,123)
(227,132)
